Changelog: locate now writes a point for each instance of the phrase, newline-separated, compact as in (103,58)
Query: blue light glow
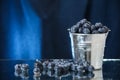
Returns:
(23,28)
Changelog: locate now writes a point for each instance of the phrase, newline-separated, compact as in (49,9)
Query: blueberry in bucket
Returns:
(86,27)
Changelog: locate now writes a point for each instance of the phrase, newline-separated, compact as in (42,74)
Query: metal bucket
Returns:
(98,75)
(88,47)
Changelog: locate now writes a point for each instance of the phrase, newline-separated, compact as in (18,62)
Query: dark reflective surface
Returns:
(110,71)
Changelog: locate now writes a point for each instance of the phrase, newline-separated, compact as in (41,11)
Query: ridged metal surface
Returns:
(88,47)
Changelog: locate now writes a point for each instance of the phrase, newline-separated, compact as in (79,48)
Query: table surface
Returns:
(110,71)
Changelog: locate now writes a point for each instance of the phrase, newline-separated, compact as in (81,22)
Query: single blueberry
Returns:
(103,30)
(90,68)
(98,25)
(93,27)
(90,75)
(106,29)
(83,21)
(86,31)
(86,25)
(74,29)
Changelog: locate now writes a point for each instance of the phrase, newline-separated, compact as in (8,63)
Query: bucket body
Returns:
(89,47)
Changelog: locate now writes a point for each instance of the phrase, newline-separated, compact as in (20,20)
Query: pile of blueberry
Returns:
(62,67)
(21,70)
(57,68)
(86,27)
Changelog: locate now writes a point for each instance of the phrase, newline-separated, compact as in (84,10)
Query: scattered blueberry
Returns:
(56,67)
(90,75)
(39,65)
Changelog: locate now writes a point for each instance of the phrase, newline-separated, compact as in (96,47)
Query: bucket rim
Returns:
(87,34)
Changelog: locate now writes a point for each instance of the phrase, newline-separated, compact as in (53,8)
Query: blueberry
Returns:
(18,69)
(74,29)
(85,64)
(36,70)
(45,64)
(98,25)
(80,74)
(86,25)
(93,27)
(90,68)
(24,67)
(38,65)
(90,75)
(79,68)
(74,67)
(58,70)
(17,66)
(106,28)
(102,30)
(86,31)
(51,73)
(51,66)
(88,22)
(25,75)
(83,21)
(79,24)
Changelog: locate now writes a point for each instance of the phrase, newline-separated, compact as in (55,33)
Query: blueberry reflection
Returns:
(62,70)
(98,75)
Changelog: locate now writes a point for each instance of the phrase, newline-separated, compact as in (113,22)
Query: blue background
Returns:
(31,29)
